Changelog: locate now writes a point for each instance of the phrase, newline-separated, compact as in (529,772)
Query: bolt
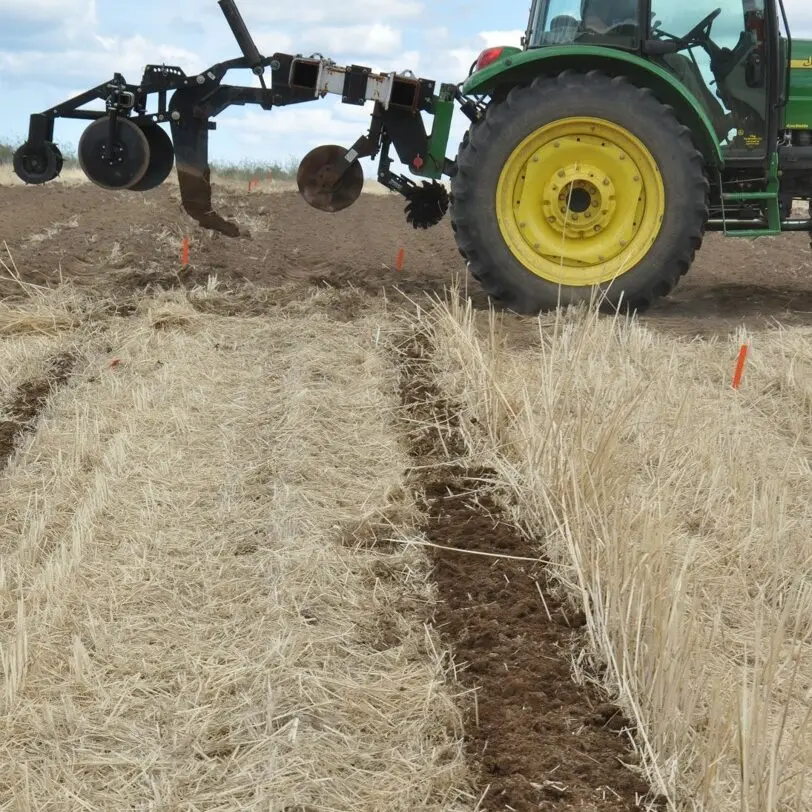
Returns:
(561,173)
(551,219)
(556,145)
(601,258)
(554,188)
(636,178)
(275,64)
(595,204)
(201,79)
(597,228)
(522,225)
(535,159)
(606,181)
(588,214)
(175,116)
(537,245)
(623,243)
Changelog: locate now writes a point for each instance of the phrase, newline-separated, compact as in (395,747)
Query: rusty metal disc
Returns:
(319,182)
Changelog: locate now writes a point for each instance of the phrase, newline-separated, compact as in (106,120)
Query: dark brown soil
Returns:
(123,243)
(539,740)
(25,404)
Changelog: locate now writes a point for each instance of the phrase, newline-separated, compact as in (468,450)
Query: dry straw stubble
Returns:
(677,512)
(182,621)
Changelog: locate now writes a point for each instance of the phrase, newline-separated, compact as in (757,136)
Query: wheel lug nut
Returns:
(561,173)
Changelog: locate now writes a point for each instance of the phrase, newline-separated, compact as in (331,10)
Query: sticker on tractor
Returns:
(801,64)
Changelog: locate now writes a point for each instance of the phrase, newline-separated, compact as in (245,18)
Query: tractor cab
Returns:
(722,51)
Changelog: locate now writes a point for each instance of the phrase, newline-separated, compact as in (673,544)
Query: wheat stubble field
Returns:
(289,529)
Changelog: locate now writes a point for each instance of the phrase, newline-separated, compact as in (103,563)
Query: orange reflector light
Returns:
(488,57)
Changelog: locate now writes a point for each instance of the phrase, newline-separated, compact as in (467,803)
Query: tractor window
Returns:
(597,22)
(722,62)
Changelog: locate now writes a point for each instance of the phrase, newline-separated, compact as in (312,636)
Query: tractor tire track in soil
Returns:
(537,739)
(28,400)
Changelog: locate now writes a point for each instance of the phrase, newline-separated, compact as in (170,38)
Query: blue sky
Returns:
(51,49)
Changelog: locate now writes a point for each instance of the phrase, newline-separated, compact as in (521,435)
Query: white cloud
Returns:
(800,17)
(65,11)
(46,19)
(375,39)
(324,11)
(271,42)
(102,57)
(491,39)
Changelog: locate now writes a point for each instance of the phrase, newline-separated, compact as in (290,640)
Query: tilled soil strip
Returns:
(538,739)
(28,400)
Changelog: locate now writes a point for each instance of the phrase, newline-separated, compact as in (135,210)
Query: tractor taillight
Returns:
(488,56)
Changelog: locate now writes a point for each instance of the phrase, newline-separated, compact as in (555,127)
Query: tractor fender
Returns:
(517,67)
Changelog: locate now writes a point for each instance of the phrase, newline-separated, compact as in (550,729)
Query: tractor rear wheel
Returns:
(576,185)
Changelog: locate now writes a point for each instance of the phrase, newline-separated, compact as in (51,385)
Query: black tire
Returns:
(36,166)
(161,158)
(490,142)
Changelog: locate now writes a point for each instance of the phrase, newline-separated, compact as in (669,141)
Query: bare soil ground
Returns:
(123,243)
(537,739)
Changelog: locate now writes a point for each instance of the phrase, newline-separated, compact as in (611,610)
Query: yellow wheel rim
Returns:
(580,201)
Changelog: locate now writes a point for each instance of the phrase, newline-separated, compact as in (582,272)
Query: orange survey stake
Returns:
(737,375)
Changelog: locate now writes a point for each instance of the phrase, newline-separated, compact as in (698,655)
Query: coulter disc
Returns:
(319,182)
(161,159)
(128,162)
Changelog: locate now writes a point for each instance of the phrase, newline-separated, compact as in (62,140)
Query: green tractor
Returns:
(618,134)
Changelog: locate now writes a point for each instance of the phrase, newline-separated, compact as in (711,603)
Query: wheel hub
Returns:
(579,196)
(580,201)
(116,157)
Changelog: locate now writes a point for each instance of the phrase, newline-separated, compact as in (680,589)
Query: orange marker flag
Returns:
(737,375)
(400,259)
(184,257)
